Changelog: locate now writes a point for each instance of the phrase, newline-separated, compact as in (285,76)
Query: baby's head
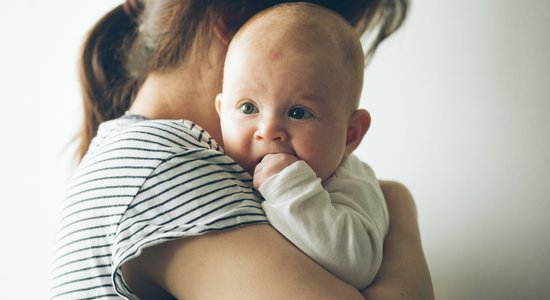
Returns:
(292,81)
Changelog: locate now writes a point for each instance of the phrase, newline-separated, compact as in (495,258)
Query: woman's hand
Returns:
(404,272)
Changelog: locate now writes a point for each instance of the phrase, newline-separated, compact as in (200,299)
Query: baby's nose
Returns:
(271,131)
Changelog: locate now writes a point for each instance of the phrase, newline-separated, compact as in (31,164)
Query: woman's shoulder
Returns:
(134,149)
(152,134)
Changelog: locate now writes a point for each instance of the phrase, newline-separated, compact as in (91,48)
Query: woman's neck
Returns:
(183,93)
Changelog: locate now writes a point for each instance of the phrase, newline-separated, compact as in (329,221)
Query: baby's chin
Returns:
(249,167)
(250,171)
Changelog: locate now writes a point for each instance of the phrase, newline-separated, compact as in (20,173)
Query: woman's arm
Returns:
(252,262)
(256,262)
(404,272)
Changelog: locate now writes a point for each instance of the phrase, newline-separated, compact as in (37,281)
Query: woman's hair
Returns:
(140,37)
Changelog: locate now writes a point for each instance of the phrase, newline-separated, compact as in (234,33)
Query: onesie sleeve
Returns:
(341,226)
(192,193)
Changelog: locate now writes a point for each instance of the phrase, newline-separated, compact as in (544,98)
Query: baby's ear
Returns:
(358,125)
(218,102)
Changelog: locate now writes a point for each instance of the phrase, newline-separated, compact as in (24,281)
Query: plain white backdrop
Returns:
(460,101)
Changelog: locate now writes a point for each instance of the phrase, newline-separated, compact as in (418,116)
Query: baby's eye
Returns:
(299,113)
(248,108)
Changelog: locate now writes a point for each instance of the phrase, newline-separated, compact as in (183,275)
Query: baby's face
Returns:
(283,101)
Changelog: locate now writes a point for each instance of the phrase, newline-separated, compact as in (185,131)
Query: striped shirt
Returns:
(144,182)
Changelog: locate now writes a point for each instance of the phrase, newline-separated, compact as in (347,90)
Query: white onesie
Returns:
(341,224)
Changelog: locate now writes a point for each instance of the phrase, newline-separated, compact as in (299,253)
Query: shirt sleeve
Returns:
(191,193)
(341,226)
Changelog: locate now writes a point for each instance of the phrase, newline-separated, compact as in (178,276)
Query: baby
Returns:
(288,109)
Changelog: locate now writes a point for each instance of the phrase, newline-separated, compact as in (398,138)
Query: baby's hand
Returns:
(270,165)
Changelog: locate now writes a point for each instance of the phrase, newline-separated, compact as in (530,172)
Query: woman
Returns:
(151,185)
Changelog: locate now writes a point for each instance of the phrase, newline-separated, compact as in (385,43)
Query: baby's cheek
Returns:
(327,160)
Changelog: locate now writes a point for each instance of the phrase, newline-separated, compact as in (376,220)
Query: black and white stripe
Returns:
(143,183)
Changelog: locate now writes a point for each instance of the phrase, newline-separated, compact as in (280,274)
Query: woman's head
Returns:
(127,45)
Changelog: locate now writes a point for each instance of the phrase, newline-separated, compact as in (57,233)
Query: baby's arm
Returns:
(333,229)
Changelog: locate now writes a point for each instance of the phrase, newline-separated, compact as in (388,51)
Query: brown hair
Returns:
(120,51)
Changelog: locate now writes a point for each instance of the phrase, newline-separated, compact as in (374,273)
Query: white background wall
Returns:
(460,100)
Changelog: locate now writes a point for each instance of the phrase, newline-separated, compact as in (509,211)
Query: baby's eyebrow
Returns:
(311,97)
